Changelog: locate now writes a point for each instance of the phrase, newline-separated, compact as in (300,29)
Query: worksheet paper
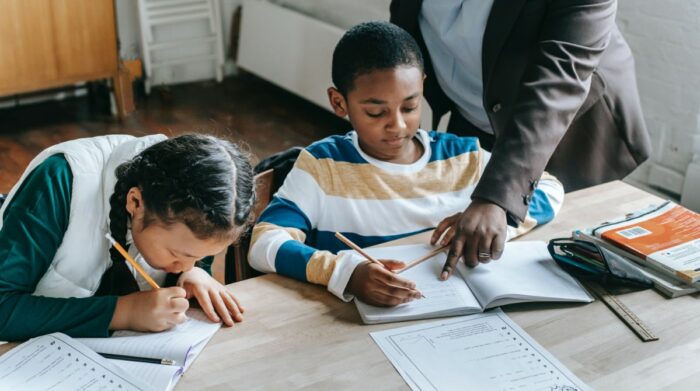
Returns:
(59,363)
(486,351)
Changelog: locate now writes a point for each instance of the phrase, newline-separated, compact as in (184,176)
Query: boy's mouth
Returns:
(395,142)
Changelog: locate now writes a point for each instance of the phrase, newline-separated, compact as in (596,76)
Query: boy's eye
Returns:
(375,115)
(409,109)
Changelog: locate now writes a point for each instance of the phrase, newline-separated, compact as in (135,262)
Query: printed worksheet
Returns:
(486,351)
(59,363)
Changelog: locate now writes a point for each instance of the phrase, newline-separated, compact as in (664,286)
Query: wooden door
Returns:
(85,38)
(50,43)
(27,56)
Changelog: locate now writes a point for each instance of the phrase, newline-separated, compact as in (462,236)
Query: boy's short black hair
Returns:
(372,46)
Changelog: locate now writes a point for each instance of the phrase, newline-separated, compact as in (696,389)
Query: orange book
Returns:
(666,237)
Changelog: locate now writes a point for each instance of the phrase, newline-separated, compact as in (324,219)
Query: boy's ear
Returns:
(338,102)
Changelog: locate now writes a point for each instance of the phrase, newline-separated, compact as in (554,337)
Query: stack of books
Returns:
(663,242)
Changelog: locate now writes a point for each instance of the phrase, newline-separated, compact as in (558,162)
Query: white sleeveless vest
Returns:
(83,256)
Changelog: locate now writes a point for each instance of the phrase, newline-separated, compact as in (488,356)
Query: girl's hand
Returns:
(153,311)
(379,286)
(215,300)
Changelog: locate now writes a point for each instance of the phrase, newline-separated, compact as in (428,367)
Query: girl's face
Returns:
(172,248)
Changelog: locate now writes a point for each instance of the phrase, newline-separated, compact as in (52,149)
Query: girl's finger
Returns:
(238,303)
(205,303)
(221,308)
(232,306)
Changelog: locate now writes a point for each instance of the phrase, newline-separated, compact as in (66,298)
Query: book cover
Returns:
(668,236)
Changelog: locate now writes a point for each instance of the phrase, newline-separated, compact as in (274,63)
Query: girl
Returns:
(170,202)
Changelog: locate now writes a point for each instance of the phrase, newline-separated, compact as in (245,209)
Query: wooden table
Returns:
(298,335)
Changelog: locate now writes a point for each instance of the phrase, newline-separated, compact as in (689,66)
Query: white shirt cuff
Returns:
(346,264)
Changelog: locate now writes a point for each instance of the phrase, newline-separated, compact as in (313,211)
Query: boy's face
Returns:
(384,108)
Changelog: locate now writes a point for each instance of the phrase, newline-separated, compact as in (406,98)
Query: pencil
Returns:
(357,248)
(361,251)
(131,261)
(161,361)
(423,258)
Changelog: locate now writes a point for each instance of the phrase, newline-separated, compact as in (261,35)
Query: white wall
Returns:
(665,39)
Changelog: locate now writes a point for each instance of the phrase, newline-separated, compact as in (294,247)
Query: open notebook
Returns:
(182,344)
(525,272)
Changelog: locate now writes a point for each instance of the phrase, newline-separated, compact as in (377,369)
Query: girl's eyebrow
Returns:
(376,101)
(184,253)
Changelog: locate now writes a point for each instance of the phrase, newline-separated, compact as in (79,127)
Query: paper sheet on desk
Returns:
(183,344)
(477,352)
(59,363)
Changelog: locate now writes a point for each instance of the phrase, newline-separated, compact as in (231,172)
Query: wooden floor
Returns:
(248,110)
(243,108)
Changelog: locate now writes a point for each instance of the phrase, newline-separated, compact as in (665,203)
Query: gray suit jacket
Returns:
(560,92)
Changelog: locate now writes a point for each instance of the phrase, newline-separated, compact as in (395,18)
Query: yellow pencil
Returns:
(423,258)
(132,261)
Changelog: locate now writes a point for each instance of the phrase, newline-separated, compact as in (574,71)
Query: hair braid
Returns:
(116,279)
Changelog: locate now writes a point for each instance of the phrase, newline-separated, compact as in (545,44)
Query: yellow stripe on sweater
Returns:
(263,227)
(365,181)
(320,267)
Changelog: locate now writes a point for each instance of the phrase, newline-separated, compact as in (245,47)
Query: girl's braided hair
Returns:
(201,181)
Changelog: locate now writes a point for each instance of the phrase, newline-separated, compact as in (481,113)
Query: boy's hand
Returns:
(379,286)
(153,311)
(478,235)
(215,300)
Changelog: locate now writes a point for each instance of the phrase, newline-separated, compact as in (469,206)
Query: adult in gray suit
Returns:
(543,84)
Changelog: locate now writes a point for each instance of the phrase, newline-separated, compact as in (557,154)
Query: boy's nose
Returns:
(397,122)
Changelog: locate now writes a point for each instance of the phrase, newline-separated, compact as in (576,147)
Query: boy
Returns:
(385,180)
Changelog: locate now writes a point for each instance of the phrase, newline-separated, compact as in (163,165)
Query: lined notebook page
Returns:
(182,344)
(525,272)
(441,297)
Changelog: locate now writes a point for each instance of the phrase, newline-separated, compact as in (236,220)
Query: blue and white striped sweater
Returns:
(335,186)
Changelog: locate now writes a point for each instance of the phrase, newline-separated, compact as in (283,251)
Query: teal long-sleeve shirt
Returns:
(33,227)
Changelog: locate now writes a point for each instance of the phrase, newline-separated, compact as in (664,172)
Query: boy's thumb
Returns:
(393,264)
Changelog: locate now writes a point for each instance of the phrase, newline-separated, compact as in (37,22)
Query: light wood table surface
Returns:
(299,336)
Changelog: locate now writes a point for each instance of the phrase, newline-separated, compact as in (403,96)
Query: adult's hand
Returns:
(478,235)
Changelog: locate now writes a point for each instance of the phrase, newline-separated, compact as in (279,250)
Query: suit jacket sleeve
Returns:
(573,36)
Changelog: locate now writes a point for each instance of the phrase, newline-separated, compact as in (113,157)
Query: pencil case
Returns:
(589,261)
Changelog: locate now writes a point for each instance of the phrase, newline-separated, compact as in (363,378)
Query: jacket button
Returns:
(496,108)
(526,199)
(533,184)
